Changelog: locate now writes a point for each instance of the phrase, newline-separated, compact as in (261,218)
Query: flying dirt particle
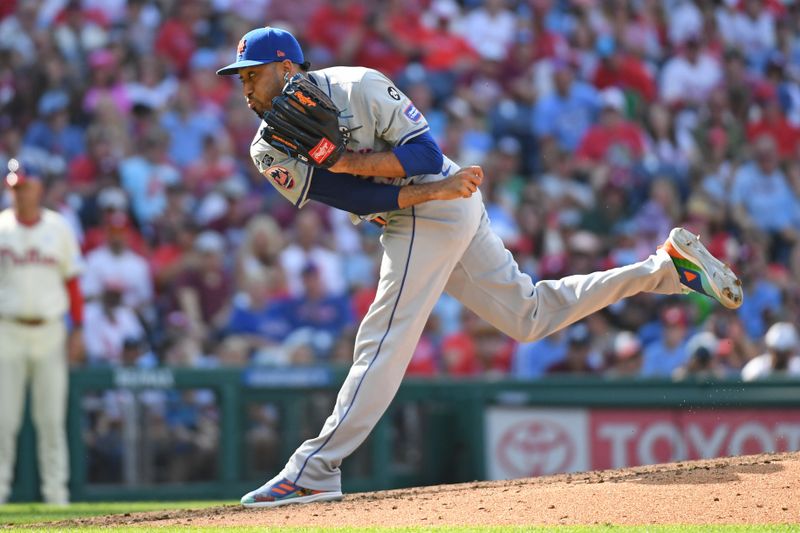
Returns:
(716,499)
(784,508)
(551,506)
(760,505)
(394,507)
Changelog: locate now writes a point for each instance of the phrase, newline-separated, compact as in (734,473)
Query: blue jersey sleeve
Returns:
(420,155)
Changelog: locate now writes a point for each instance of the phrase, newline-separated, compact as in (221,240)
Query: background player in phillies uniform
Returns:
(39,264)
(429,246)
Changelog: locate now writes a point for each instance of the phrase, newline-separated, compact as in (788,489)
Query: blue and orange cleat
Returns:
(283,492)
(700,271)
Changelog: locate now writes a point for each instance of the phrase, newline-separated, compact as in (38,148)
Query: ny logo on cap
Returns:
(241,47)
(281,53)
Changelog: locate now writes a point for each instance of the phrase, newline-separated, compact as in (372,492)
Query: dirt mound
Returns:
(760,489)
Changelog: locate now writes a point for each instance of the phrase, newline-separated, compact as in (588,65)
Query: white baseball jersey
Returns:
(105,336)
(127,270)
(35,261)
(381,116)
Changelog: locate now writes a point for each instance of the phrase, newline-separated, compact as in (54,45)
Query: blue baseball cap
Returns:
(264,45)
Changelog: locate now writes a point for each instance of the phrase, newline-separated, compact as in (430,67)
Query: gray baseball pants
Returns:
(450,246)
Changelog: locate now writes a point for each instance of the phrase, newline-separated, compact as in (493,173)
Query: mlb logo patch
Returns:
(412,113)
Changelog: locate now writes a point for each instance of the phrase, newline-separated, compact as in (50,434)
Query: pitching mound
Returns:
(760,489)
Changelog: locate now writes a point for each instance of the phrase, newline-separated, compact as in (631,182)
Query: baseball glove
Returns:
(304,123)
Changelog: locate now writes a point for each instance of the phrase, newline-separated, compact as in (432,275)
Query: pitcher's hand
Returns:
(462,184)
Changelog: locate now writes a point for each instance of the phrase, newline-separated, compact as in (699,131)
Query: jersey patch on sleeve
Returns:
(281,177)
(412,113)
(265,161)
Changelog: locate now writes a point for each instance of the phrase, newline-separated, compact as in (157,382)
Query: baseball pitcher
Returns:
(346,136)
(39,267)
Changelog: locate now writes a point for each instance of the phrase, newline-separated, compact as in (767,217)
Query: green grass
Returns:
(29,513)
(22,514)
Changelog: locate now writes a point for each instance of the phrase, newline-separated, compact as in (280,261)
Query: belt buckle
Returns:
(31,322)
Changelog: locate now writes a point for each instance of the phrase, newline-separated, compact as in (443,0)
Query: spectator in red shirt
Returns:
(113,204)
(619,69)
(443,49)
(477,349)
(615,143)
(458,355)
(425,360)
(495,350)
(459,350)
(91,170)
(331,27)
(214,166)
(402,24)
(774,124)
(176,38)
(170,256)
(547,44)
(375,46)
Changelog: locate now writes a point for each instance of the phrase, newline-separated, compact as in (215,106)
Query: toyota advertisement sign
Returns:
(526,441)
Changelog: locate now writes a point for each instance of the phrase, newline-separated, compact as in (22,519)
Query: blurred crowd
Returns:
(600,125)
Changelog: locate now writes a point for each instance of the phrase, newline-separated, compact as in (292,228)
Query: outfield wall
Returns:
(175,434)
